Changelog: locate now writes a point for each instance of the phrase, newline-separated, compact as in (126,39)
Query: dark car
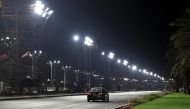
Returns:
(97,93)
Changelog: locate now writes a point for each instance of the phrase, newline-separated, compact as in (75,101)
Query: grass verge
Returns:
(170,101)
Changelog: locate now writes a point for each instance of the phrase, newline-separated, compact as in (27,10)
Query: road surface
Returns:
(72,102)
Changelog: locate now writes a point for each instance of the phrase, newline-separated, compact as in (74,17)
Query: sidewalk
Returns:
(37,96)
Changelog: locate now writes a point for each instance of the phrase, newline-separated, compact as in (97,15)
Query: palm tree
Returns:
(179,53)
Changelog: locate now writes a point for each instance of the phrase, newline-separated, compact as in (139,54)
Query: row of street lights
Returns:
(89,42)
(65,70)
(132,67)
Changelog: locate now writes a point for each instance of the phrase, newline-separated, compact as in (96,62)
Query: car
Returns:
(97,93)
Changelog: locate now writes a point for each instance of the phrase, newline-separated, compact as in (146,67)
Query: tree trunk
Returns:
(187,83)
(177,85)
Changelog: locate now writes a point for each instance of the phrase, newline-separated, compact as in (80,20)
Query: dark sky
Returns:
(134,29)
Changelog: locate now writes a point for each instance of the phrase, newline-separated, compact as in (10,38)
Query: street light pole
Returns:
(51,71)
(32,66)
(34,57)
(88,42)
(64,80)
(77,76)
(51,65)
(65,68)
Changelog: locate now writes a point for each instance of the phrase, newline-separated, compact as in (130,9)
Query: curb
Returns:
(36,96)
(126,106)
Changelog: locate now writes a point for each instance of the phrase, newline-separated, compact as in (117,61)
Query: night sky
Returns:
(133,29)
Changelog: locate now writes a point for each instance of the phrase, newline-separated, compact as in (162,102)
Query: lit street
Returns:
(94,54)
(72,102)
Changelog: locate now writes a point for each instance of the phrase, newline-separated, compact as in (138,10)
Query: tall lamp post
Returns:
(88,42)
(65,68)
(51,63)
(77,75)
(34,55)
(111,56)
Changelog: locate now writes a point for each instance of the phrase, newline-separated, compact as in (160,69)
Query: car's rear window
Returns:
(96,89)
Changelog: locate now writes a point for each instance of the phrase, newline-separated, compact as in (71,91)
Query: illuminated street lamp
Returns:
(125,62)
(41,10)
(129,66)
(57,62)
(111,55)
(103,53)
(134,67)
(76,38)
(118,61)
(144,70)
(151,73)
(126,79)
(140,70)
(88,41)
(147,73)
(155,75)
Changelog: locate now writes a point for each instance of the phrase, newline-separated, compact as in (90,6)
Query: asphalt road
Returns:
(72,102)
